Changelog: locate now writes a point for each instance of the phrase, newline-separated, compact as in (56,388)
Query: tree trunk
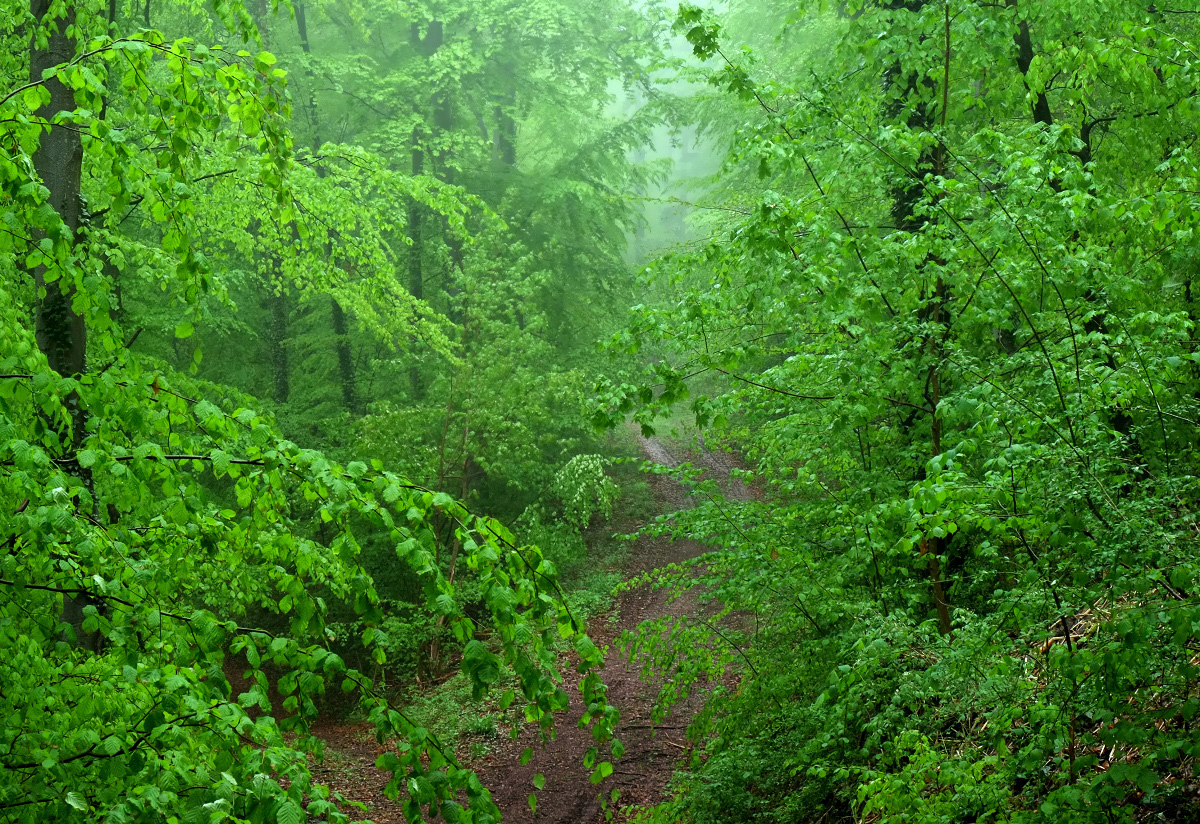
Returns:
(277,330)
(60,331)
(1024,41)
(505,147)
(344,355)
(906,194)
(426,47)
(345,361)
(416,278)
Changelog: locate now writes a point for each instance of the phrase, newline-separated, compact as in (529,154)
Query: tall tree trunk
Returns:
(425,46)
(1024,40)
(344,356)
(345,359)
(444,121)
(932,545)
(60,331)
(505,147)
(908,107)
(275,303)
(277,331)
(416,278)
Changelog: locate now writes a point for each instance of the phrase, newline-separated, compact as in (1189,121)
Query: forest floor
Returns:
(652,751)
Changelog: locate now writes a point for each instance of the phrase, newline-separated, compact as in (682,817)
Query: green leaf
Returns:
(603,770)
(289,812)
(539,781)
(32,98)
(184,329)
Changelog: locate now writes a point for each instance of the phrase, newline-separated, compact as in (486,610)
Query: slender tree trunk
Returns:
(416,278)
(277,340)
(345,358)
(275,303)
(1024,40)
(505,147)
(933,545)
(426,46)
(435,647)
(937,326)
(907,85)
(344,355)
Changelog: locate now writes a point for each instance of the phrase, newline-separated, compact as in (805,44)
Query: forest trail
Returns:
(651,751)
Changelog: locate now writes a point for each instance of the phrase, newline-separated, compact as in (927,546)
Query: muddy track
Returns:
(652,751)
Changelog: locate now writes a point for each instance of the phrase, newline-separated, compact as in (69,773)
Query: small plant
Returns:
(484,726)
(585,490)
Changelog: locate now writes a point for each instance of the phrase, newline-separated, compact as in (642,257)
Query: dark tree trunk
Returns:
(444,120)
(906,85)
(277,340)
(306,46)
(909,107)
(426,46)
(275,303)
(344,355)
(1024,41)
(345,359)
(60,331)
(506,137)
(416,278)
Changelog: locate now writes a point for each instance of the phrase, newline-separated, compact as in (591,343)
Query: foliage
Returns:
(948,314)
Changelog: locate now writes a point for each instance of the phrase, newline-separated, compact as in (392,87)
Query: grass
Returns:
(449,712)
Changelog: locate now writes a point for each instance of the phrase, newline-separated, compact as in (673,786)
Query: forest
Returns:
(748,412)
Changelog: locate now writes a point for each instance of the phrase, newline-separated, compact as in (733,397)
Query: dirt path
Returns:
(568,796)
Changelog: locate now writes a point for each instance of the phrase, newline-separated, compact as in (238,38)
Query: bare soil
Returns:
(651,751)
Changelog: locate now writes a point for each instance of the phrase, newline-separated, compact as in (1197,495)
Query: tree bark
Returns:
(425,46)
(345,360)
(505,147)
(909,109)
(60,331)
(1024,41)
(277,330)
(344,356)
(416,278)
